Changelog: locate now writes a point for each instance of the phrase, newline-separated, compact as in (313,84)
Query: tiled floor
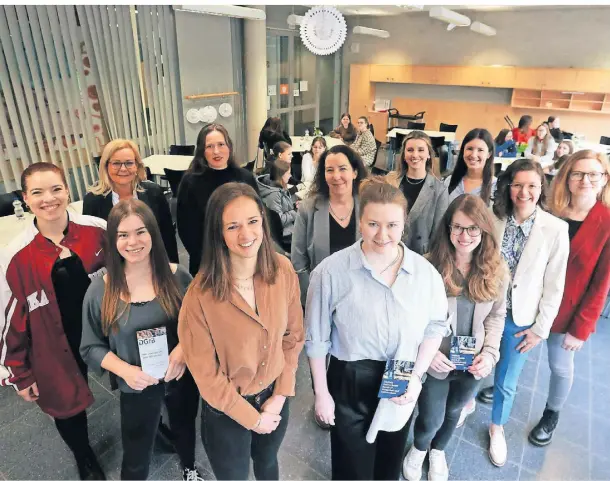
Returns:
(30,447)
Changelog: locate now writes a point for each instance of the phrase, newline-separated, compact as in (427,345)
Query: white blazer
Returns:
(537,287)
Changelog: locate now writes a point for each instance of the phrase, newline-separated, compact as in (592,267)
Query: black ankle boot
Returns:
(486,395)
(542,434)
(89,468)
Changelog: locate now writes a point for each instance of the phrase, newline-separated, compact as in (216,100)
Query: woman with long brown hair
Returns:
(541,147)
(241,328)
(467,255)
(141,294)
(44,274)
(427,197)
(581,196)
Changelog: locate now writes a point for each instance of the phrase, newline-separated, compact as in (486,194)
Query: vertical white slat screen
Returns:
(49,95)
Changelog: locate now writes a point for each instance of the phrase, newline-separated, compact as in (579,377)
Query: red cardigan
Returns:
(587,276)
(521,138)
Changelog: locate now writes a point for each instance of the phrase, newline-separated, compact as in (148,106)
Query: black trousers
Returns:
(140,414)
(230,446)
(440,404)
(354,387)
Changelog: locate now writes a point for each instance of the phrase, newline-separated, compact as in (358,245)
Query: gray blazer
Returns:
(311,238)
(426,214)
(487,326)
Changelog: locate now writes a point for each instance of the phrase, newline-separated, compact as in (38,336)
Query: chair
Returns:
(97,159)
(549,178)
(372,129)
(181,150)
(416,125)
(567,135)
(447,128)
(441,151)
(497,169)
(6,202)
(250,166)
(149,175)
(174,177)
(277,230)
(604,140)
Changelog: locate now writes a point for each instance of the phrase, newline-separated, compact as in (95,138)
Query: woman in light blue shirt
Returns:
(372,302)
(473,173)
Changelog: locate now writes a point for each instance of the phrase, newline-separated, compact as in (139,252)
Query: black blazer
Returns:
(100,206)
(269,139)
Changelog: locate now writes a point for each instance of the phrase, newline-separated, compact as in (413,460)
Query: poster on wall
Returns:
(295,93)
(271,90)
(304,86)
(283,89)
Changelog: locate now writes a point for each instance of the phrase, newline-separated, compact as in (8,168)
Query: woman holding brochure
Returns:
(130,324)
(467,255)
(241,328)
(373,302)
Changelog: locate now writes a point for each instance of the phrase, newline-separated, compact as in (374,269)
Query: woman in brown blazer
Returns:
(241,328)
(466,254)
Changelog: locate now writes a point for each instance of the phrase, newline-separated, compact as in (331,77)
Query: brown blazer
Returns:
(231,351)
(487,326)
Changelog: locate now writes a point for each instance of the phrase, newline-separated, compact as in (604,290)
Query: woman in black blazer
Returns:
(123,176)
(213,165)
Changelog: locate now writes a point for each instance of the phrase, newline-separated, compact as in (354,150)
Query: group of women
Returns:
(387,269)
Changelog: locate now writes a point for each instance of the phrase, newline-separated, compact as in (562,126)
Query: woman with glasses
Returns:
(467,256)
(122,176)
(214,165)
(581,196)
(536,245)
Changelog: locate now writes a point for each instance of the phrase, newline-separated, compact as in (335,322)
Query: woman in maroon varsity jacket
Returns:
(45,273)
(581,196)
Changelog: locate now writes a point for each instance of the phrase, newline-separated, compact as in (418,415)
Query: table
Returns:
(303,144)
(11,227)
(582,145)
(505,161)
(156,163)
(449,136)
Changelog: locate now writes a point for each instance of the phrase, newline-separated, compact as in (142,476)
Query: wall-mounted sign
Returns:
(284,89)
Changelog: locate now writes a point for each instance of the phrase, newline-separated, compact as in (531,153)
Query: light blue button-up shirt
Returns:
(353,314)
(459,189)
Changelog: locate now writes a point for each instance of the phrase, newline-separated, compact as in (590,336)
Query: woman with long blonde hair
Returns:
(467,255)
(122,175)
(580,196)
(141,293)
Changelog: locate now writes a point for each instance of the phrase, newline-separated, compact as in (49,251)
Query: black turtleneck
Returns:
(193,196)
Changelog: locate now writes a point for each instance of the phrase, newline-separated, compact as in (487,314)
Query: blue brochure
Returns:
(462,351)
(395,378)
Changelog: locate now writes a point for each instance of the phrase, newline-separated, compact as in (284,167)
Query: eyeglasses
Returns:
(526,186)
(116,165)
(473,230)
(592,176)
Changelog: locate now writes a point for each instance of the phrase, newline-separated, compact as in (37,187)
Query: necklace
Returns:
(341,219)
(244,278)
(393,262)
(414,183)
(244,287)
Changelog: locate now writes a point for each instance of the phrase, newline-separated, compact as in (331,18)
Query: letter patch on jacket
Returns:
(33,301)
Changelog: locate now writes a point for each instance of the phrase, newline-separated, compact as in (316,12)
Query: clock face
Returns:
(208,114)
(323,30)
(225,110)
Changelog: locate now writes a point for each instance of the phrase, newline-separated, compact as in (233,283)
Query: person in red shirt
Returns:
(44,274)
(581,196)
(524,131)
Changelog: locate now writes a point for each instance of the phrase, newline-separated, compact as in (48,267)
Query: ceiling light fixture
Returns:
(412,7)
(226,11)
(483,29)
(454,19)
(294,20)
(371,31)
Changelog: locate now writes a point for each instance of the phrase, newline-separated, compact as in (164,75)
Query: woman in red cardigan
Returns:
(523,133)
(581,196)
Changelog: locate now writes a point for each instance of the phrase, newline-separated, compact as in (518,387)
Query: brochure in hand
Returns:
(462,351)
(395,378)
(154,354)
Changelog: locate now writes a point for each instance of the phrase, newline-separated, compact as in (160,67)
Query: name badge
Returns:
(395,378)
(462,351)
(154,354)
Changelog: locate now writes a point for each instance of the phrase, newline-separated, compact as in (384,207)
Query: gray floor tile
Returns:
(472,462)
(558,461)
(600,436)
(172,470)
(12,407)
(292,467)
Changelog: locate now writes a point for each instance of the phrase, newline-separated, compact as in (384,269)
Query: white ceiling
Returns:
(388,10)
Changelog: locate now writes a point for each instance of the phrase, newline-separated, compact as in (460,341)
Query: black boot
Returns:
(89,468)
(542,434)
(486,395)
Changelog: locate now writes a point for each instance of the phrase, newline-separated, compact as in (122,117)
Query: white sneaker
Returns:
(412,465)
(498,451)
(438,470)
(466,411)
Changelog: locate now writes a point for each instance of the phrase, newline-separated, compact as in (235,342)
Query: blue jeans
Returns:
(508,369)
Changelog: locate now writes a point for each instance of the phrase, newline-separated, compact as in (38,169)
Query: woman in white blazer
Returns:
(536,245)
